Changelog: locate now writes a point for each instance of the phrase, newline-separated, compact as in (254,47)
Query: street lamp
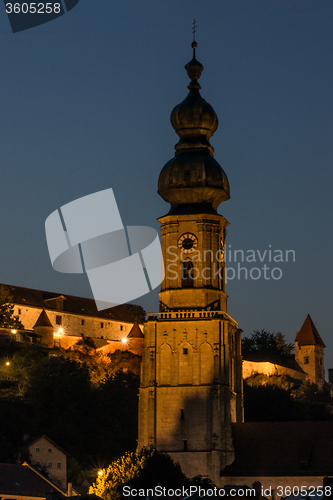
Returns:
(58,334)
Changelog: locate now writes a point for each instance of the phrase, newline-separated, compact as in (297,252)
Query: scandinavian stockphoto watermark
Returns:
(24,14)
(87,235)
(226,264)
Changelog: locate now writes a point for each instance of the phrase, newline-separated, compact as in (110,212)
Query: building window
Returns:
(121,328)
(49,450)
(102,325)
(49,464)
(306,360)
(82,321)
(59,482)
(38,462)
(182,415)
(38,450)
(19,311)
(184,444)
(187,274)
(59,466)
(185,350)
(58,320)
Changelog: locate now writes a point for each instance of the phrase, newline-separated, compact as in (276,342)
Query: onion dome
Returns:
(193,176)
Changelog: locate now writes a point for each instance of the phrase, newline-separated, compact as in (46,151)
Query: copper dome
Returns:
(193,175)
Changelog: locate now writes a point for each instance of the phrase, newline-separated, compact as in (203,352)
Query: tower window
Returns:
(184,444)
(121,328)
(306,360)
(185,350)
(182,415)
(187,274)
(19,311)
(102,325)
(82,321)
(58,320)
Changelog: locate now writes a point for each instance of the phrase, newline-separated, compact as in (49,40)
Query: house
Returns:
(23,482)
(46,453)
(281,454)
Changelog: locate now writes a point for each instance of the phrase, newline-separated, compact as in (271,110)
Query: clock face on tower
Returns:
(187,243)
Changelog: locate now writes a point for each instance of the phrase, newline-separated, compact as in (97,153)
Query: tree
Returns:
(7,318)
(138,312)
(146,469)
(265,345)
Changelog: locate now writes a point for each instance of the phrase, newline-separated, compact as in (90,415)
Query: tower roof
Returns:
(193,175)
(135,332)
(308,334)
(43,320)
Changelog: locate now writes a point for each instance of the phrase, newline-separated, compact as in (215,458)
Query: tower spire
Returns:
(194,43)
(193,175)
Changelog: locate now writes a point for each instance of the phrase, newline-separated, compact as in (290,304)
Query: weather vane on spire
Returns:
(194,29)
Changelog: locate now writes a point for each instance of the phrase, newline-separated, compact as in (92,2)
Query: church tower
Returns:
(191,378)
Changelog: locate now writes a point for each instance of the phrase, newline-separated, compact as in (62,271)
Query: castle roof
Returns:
(308,334)
(43,320)
(135,332)
(69,303)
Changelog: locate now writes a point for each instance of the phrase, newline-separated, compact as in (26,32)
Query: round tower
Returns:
(44,328)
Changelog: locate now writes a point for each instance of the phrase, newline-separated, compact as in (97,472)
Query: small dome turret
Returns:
(193,175)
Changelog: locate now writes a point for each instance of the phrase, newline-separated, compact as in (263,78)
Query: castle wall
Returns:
(75,324)
(267,368)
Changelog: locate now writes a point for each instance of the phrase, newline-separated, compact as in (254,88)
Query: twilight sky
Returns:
(85,105)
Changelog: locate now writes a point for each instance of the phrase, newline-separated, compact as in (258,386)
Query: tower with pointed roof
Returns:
(44,328)
(309,352)
(191,380)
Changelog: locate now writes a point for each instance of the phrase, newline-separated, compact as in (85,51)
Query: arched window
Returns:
(187,274)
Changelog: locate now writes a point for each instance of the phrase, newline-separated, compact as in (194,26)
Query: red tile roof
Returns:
(308,334)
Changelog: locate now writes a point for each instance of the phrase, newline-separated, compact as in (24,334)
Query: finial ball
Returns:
(194,45)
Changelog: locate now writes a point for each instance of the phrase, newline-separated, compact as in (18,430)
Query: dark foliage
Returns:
(138,312)
(263,345)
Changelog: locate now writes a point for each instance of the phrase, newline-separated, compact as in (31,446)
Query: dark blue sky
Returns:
(85,105)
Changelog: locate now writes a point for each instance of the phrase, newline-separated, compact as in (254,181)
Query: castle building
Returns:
(309,352)
(308,364)
(62,320)
(191,379)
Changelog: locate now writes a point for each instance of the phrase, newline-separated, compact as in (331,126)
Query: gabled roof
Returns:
(282,449)
(72,304)
(35,440)
(23,480)
(135,332)
(43,320)
(308,334)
